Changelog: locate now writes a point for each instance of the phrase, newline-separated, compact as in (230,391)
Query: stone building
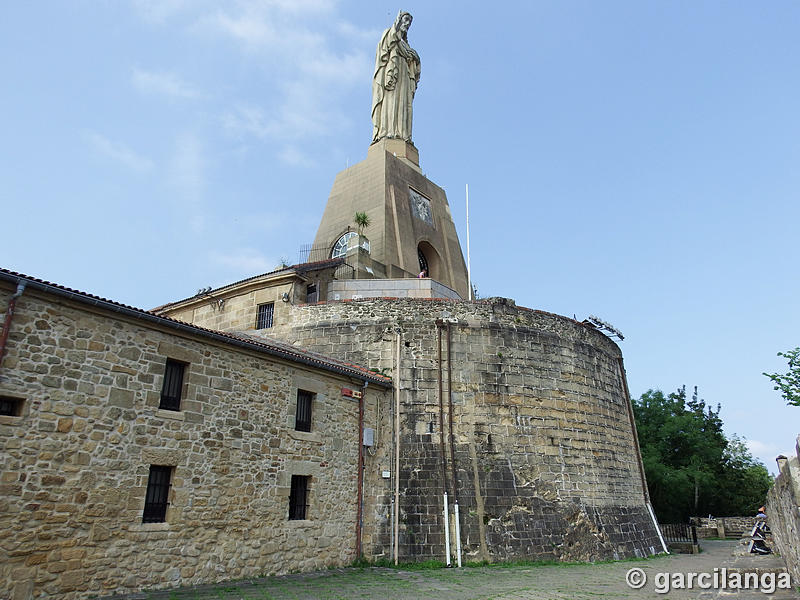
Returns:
(139,452)
(215,437)
(521,417)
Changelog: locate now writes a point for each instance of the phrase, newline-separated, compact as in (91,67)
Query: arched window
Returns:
(423,262)
(340,247)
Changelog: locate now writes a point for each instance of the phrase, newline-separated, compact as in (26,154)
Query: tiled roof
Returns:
(298,268)
(263,345)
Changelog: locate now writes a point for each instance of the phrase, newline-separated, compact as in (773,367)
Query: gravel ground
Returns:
(567,582)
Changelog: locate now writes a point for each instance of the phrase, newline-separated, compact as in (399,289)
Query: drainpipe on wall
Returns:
(396,379)
(360,500)
(453,447)
(9,316)
(442,446)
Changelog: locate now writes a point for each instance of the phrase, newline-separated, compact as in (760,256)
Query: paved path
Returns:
(571,582)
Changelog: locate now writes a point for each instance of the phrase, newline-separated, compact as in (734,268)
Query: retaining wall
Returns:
(783,512)
(544,464)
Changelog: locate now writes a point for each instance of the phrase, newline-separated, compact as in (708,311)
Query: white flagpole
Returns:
(469,278)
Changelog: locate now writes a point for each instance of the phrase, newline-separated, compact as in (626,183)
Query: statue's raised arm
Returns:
(397,70)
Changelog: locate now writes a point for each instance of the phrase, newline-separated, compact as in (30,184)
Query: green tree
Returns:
(691,468)
(789,384)
(362,221)
(744,482)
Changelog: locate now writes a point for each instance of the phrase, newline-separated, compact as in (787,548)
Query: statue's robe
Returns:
(397,70)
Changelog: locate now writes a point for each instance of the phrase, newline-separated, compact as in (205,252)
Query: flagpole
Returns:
(469,278)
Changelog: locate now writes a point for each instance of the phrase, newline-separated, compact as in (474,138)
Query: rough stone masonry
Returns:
(544,459)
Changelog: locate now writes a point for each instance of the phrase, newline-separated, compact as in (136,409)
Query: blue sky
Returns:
(633,160)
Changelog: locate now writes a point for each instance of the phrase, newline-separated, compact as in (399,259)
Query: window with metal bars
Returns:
(10,407)
(156,497)
(311,293)
(264,317)
(173,385)
(298,497)
(302,420)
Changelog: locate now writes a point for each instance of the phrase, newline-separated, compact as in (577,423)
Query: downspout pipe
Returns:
(360,499)
(442,445)
(453,446)
(396,382)
(12,303)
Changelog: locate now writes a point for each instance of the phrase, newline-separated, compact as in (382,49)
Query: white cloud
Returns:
(119,153)
(757,447)
(162,84)
(312,58)
(766,453)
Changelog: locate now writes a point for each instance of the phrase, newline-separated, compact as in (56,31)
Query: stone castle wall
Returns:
(783,512)
(545,459)
(723,526)
(75,462)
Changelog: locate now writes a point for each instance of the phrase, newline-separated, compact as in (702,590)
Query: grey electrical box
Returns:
(369,436)
(386,474)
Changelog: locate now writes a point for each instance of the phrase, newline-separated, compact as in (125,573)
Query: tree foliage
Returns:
(691,467)
(789,384)
(362,221)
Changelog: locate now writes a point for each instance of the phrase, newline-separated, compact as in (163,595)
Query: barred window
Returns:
(173,385)
(311,293)
(302,420)
(156,497)
(10,407)
(298,497)
(264,318)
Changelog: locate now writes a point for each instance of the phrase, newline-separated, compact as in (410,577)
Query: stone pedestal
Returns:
(409,216)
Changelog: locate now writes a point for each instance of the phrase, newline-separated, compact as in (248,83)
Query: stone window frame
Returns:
(265,321)
(304,411)
(318,404)
(13,407)
(312,293)
(179,353)
(299,509)
(173,363)
(163,498)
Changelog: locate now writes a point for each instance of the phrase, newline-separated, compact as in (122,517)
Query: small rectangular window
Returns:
(298,497)
(302,420)
(10,407)
(264,318)
(311,294)
(156,497)
(173,385)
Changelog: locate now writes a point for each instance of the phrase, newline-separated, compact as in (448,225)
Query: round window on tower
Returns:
(340,247)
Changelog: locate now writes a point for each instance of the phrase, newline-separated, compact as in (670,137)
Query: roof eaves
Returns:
(297,355)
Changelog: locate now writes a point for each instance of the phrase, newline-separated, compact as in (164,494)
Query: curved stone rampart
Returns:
(545,462)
